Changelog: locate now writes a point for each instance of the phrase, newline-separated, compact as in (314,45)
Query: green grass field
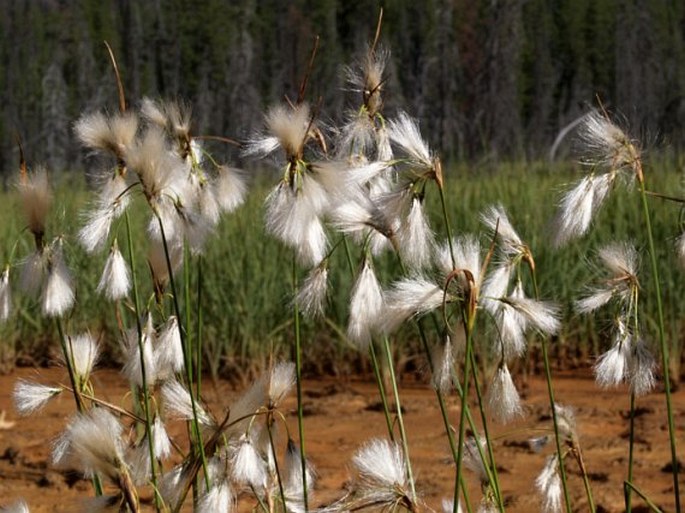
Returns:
(247,278)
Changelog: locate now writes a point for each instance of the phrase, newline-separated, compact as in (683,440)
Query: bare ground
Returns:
(341,415)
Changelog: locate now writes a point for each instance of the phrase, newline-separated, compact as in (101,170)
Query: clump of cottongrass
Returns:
(311,296)
(30,397)
(503,399)
(549,485)
(621,262)
(115,281)
(366,305)
(605,145)
(381,475)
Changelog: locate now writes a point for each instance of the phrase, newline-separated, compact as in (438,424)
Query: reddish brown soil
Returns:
(342,415)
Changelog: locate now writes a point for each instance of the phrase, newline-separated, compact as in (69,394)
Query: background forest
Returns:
(486,78)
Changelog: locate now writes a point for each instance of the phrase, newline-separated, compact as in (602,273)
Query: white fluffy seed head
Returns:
(219,499)
(19,506)
(30,397)
(495,217)
(168,351)
(133,366)
(641,368)
(5,295)
(311,297)
(95,442)
(404,132)
(115,281)
(409,297)
(603,142)
(566,421)
(178,404)
(443,361)
(549,486)
(294,218)
(366,305)
(280,383)
(578,206)
(611,368)
(415,238)
(620,259)
(503,399)
(380,464)
(541,315)
(58,295)
(248,466)
(84,352)
(230,188)
(36,198)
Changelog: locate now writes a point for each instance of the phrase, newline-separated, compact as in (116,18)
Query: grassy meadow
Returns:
(247,286)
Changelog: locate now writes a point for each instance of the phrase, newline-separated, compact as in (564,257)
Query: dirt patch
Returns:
(341,415)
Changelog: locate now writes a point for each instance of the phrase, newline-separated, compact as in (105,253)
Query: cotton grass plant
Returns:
(358,188)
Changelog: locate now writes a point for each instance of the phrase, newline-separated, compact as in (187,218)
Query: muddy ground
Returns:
(342,414)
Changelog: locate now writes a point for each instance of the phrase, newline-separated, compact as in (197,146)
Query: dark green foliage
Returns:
(485,78)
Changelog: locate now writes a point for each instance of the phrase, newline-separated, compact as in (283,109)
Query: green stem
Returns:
(269,422)
(68,360)
(400,418)
(552,405)
(494,478)
(381,389)
(627,485)
(665,358)
(197,435)
(143,371)
(298,384)
(198,335)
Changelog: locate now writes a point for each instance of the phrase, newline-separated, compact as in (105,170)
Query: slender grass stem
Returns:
(445,420)
(197,435)
(552,405)
(381,389)
(627,485)
(143,371)
(298,385)
(198,333)
(665,352)
(68,361)
(464,396)
(281,491)
(494,478)
(400,417)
